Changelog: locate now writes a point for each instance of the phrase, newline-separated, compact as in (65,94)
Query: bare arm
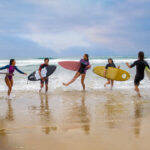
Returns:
(128,65)
(105,71)
(89,66)
(40,73)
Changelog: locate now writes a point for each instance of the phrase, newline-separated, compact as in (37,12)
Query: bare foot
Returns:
(139,95)
(8,97)
(65,84)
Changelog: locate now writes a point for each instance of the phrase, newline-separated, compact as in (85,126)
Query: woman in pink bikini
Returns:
(9,76)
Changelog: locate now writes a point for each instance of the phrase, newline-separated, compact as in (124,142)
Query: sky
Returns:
(59,28)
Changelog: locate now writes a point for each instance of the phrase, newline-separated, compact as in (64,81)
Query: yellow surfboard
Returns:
(112,73)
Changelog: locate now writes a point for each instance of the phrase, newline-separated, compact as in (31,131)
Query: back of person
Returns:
(140,68)
(140,64)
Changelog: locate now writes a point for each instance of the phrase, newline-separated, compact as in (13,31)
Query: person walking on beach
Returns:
(44,80)
(140,64)
(9,76)
(84,66)
(110,64)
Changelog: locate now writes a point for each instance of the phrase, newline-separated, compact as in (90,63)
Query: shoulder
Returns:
(145,62)
(113,64)
(42,65)
(136,61)
(107,65)
(15,67)
(82,61)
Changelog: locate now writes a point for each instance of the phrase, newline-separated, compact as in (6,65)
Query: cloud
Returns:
(58,41)
(59,25)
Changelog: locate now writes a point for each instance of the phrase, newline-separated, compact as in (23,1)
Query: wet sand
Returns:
(73,120)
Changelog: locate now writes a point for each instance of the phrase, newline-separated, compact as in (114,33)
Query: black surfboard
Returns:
(45,72)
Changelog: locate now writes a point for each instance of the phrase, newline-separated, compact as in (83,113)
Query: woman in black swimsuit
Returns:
(84,66)
(110,64)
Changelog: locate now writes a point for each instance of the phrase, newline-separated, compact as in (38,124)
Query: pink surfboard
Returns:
(70,65)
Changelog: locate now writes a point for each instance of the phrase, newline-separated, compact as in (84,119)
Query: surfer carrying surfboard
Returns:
(44,80)
(9,76)
(110,64)
(140,64)
(84,66)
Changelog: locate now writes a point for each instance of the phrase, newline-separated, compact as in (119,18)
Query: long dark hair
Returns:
(141,55)
(11,61)
(87,56)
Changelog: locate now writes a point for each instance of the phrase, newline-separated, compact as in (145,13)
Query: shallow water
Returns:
(64,120)
(93,82)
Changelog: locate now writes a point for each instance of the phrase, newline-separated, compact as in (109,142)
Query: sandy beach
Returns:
(74,120)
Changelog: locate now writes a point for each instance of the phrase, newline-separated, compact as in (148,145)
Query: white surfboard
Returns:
(147,70)
(43,74)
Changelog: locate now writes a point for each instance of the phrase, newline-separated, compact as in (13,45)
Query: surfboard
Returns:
(147,70)
(70,65)
(112,73)
(45,72)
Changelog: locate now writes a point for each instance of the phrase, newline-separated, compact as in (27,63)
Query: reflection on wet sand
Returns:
(84,116)
(3,135)
(45,114)
(74,120)
(138,106)
(3,122)
(114,110)
(9,113)
(76,116)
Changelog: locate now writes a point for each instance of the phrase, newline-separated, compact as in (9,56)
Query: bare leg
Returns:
(137,90)
(108,82)
(112,84)
(9,84)
(46,88)
(82,81)
(74,78)
(42,84)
